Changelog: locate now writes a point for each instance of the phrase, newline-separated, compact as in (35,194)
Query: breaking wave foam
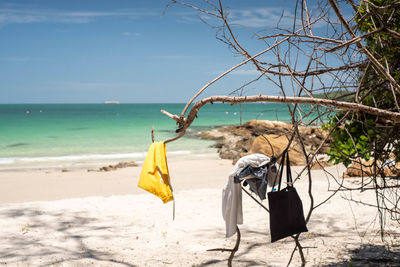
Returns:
(87,157)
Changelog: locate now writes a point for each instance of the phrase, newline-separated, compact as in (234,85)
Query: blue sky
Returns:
(90,51)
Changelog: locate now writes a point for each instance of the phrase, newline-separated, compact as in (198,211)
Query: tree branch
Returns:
(374,61)
(184,123)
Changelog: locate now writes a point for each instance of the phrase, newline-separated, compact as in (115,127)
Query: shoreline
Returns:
(53,184)
(230,141)
(90,162)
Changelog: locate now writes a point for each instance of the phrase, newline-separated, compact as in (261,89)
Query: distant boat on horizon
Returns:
(111,102)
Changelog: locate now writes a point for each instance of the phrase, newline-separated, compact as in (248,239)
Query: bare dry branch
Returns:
(318,63)
(374,61)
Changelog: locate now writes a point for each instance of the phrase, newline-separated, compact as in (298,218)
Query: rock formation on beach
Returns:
(363,168)
(267,137)
(120,165)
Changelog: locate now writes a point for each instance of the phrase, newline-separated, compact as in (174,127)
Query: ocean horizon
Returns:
(33,134)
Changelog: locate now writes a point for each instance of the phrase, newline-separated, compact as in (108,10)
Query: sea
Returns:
(59,135)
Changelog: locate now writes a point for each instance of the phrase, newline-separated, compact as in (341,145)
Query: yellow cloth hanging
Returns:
(154,177)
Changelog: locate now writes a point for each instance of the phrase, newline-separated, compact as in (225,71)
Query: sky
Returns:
(132,51)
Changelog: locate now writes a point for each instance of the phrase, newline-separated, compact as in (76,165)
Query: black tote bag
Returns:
(286,216)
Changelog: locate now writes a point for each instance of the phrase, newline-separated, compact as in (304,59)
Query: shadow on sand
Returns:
(371,255)
(72,227)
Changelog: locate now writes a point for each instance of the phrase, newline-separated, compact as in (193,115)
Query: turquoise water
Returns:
(75,131)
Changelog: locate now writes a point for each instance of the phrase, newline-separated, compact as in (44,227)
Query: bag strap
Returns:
(289,179)
(284,158)
(279,176)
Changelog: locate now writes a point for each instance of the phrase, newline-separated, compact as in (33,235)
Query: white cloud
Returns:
(261,17)
(257,17)
(251,17)
(21,15)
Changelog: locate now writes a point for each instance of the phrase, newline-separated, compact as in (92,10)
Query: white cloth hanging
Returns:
(232,211)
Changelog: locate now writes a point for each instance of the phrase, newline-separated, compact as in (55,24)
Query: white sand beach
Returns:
(80,218)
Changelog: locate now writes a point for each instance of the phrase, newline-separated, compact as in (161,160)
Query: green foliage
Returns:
(363,135)
(352,138)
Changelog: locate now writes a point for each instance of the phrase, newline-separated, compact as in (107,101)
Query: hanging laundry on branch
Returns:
(154,177)
(232,211)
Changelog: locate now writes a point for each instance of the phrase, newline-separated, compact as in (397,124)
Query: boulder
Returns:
(125,164)
(120,165)
(236,141)
(363,168)
(107,168)
(274,145)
